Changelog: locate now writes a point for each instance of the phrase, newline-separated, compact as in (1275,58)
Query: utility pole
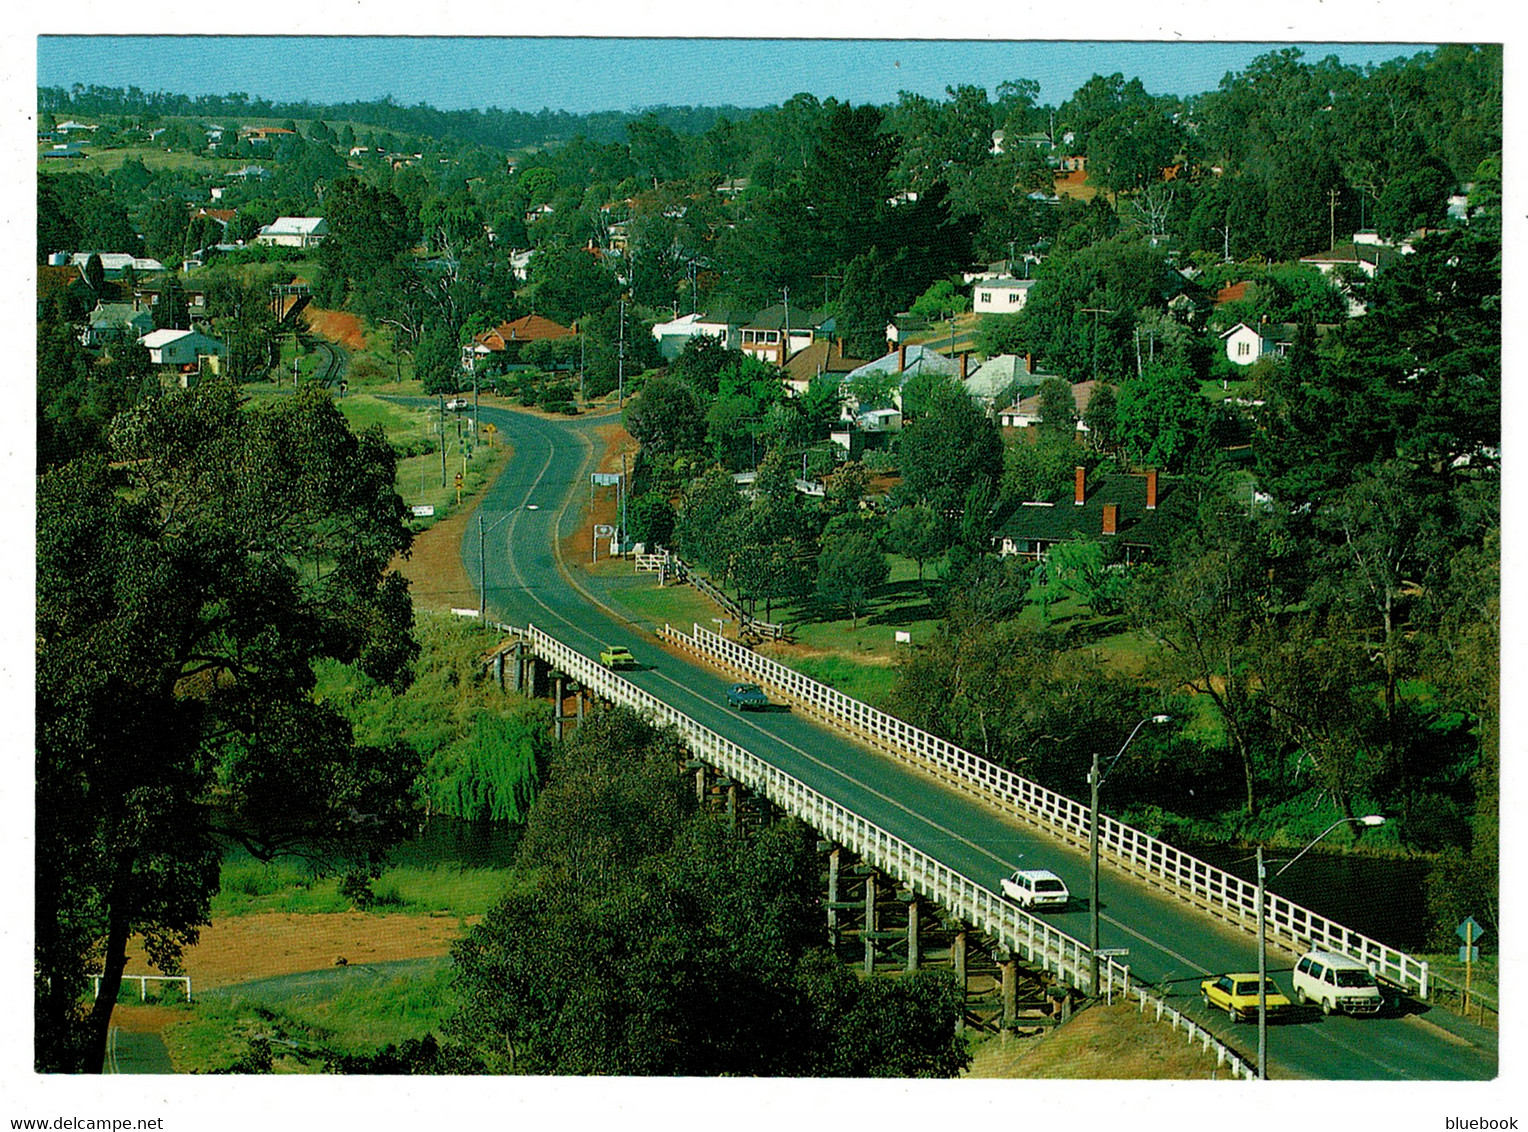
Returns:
(1095,312)
(620,361)
(441,399)
(785,340)
(1331,202)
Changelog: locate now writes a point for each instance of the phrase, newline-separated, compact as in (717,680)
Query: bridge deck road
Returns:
(533,506)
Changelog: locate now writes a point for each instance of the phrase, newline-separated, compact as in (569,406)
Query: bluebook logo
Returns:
(1476,1122)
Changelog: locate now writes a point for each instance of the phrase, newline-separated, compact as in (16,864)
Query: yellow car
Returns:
(1237,996)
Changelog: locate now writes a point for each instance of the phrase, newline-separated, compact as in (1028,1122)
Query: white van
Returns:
(1337,982)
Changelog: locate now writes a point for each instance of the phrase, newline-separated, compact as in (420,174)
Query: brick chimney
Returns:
(965,366)
(1111,518)
(902,358)
(1151,490)
(1081,495)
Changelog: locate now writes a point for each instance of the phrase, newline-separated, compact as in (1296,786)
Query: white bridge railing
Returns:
(1036,941)
(1213,890)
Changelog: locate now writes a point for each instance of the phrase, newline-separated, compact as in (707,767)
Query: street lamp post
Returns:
(1095,780)
(483,565)
(1262,935)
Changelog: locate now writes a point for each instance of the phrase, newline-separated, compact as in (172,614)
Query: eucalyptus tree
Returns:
(187,579)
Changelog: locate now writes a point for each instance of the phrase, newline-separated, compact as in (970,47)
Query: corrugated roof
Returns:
(1064,520)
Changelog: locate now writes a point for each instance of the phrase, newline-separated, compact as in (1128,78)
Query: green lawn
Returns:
(249,886)
(303,1019)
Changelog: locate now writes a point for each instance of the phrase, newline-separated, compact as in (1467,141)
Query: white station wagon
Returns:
(1036,889)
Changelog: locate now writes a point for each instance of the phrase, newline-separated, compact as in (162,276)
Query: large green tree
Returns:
(185,584)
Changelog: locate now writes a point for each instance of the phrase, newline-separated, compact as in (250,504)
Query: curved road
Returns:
(533,506)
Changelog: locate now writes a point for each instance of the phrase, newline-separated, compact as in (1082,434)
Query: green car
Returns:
(747,697)
(617,656)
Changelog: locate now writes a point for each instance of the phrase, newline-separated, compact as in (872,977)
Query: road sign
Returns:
(458,479)
(423,510)
(1469,931)
(603,530)
(1469,955)
(605,479)
(1113,952)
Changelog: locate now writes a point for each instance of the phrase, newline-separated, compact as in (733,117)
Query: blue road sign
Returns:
(1469,931)
(1469,955)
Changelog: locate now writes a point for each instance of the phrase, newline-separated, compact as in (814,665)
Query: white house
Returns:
(294,232)
(672,335)
(1003,295)
(180,347)
(115,264)
(1246,344)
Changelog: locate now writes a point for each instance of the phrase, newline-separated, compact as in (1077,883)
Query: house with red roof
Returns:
(508,337)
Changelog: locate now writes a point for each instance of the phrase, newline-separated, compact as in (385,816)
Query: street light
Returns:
(483,564)
(1095,780)
(1262,935)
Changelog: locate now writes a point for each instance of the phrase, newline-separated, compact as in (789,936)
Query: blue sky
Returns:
(587,74)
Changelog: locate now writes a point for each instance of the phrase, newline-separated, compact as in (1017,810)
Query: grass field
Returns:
(305,1017)
(250,886)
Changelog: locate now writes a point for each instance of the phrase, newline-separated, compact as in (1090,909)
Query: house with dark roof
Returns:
(1132,513)
(766,335)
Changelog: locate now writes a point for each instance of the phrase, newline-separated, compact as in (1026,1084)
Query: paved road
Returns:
(532,507)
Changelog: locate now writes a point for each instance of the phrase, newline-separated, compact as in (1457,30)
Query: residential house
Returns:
(1003,295)
(507,338)
(540,212)
(902,364)
(671,336)
(1026,412)
(63,151)
(294,232)
(824,356)
(767,337)
(1246,344)
(116,322)
(997,380)
(725,324)
(147,297)
(261,135)
(181,347)
(1367,255)
(1123,511)
(117,264)
(1020,268)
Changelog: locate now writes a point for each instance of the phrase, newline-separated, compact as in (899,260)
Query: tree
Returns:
(948,449)
(437,360)
(915,531)
(665,418)
(181,601)
(569,283)
(1160,416)
(1204,608)
(165,230)
(95,273)
(1058,408)
(868,304)
(849,570)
